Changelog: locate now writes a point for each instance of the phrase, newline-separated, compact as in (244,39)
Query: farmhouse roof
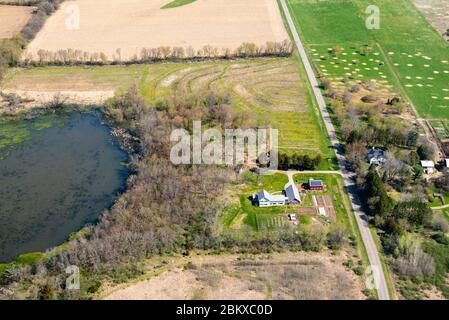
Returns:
(265,195)
(292,193)
(427,164)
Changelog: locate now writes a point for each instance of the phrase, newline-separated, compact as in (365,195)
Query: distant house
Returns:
(428,166)
(266,199)
(316,185)
(292,194)
(376,156)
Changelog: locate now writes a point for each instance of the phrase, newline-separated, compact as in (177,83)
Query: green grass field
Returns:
(407,55)
(268,92)
(177,3)
(441,128)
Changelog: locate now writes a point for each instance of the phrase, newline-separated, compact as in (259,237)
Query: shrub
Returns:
(369,98)
(439,223)
(415,262)
(441,238)
(337,237)
(46,292)
(354,88)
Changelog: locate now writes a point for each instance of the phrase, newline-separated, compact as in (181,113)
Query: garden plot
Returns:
(13,19)
(120,29)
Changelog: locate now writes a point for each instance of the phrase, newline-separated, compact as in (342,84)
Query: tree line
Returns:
(298,162)
(162,53)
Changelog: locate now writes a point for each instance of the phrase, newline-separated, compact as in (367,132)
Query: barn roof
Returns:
(292,193)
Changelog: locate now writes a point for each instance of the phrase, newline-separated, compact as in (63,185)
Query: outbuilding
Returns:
(316,185)
(428,166)
(292,193)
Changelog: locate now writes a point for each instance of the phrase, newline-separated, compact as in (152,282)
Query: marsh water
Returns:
(57,174)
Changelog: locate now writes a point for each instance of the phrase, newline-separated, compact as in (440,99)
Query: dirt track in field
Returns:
(13,19)
(130,25)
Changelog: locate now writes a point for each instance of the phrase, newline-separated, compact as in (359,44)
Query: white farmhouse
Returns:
(266,199)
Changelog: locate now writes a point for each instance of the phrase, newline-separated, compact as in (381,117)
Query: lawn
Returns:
(253,216)
(406,55)
(266,92)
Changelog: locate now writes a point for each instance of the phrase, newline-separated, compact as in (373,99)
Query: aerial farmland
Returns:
(403,56)
(126,27)
(108,191)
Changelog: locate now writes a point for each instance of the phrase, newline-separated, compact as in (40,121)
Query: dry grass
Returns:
(13,19)
(135,24)
(300,276)
(436,12)
(270,92)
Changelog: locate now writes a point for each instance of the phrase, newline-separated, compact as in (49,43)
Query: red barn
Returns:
(316,185)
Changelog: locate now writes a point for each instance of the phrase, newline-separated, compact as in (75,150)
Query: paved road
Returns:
(362,219)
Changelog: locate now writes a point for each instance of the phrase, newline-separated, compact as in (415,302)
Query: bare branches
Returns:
(71,56)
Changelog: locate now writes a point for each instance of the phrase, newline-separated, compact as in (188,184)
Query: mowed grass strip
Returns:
(416,57)
(269,92)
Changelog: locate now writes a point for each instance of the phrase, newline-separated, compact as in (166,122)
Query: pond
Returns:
(57,174)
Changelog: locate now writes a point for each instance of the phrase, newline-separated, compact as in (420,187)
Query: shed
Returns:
(428,166)
(317,185)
